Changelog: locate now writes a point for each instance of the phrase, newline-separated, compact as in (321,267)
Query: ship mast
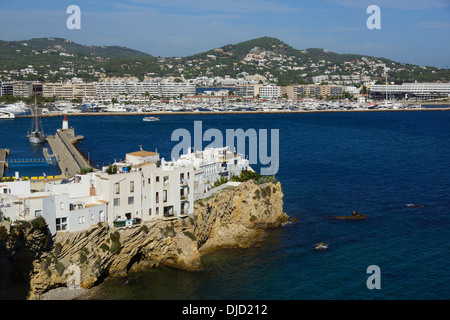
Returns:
(35,109)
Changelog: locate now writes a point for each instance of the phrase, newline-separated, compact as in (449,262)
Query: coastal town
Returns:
(261,75)
(139,188)
(128,95)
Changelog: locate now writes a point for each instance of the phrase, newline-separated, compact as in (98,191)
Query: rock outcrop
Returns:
(234,217)
(354,216)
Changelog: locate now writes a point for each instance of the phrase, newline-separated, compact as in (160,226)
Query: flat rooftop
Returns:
(142,153)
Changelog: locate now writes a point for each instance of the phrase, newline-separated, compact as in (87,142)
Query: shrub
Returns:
(58,248)
(219,182)
(85,170)
(145,229)
(104,247)
(190,235)
(83,257)
(112,169)
(246,175)
(3,233)
(60,268)
(39,223)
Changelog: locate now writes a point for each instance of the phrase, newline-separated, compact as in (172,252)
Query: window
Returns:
(168,211)
(37,213)
(157,178)
(81,220)
(61,205)
(116,202)
(150,211)
(157,210)
(148,181)
(130,200)
(131,186)
(164,195)
(157,197)
(61,224)
(117,188)
(102,216)
(188,175)
(92,216)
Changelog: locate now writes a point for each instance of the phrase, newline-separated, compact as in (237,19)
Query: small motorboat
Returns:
(150,119)
(321,246)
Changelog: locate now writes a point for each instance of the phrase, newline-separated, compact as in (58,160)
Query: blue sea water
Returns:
(377,163)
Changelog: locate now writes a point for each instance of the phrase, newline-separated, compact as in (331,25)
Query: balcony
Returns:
(126,223)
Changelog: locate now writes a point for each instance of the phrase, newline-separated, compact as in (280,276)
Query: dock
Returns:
(69,158)
(3,163)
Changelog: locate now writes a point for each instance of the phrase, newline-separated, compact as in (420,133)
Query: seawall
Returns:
(70,160)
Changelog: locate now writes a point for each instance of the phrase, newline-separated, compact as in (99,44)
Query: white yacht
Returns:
(6,115)
(116,108)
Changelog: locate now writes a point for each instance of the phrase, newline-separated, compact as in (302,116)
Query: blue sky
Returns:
(412,31)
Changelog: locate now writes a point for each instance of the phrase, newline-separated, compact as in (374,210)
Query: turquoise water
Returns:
(330,164)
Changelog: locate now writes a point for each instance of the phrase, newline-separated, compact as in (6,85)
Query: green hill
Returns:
(56,59)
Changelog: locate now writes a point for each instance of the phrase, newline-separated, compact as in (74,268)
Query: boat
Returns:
(321,246)
(6,115)
(150,119)
(36,133)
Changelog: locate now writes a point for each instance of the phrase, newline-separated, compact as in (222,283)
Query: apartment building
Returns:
(210,165)
(270,91)
(137,189)
(68,91)
(319,90)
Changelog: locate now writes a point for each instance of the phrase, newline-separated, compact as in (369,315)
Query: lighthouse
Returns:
(65,124)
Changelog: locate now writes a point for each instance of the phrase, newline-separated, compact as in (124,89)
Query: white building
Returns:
(138,189)
(62,211)
(270,91)
(210,165)
(418,90)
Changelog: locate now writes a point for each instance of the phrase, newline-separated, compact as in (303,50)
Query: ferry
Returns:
(150,119)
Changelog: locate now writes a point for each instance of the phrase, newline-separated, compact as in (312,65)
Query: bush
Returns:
(60,268)
(190,235)
(246,175)
(115,242)
(85,170)
(112,169)
(219,182)
(104,247)
(39,223)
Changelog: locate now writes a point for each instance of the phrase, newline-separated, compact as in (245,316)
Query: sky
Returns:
(412,31)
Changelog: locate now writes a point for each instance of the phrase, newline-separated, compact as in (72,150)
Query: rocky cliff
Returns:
(234,217)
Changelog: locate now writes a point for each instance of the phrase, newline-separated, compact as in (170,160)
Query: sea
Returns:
(393,167)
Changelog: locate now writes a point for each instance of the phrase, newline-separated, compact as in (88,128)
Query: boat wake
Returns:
(414,205)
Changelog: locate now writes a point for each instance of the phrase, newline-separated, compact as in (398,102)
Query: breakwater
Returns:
(3,163)
(70,160)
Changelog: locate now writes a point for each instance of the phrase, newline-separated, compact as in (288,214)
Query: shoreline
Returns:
(86,114)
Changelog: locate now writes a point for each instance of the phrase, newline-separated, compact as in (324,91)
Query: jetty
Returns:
(69,158)
(3,163)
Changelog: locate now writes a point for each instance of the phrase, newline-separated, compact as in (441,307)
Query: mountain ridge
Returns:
(270,55)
